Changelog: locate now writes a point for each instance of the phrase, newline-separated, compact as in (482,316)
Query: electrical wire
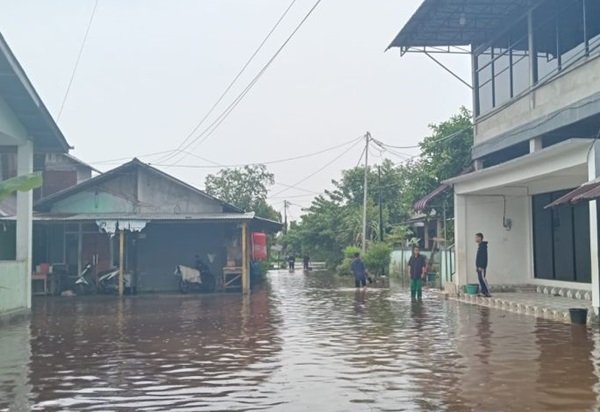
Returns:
(83,42)
(202,137)
(235,79)
(270,162)
(318,170)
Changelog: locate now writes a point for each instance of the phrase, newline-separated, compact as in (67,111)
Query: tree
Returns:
(246,188)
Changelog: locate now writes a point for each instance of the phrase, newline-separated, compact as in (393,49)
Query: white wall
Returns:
(509,250)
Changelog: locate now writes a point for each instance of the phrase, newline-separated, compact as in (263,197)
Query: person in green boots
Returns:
(417,268)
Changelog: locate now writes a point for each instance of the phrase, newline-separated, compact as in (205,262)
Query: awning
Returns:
(457,22)
(421,204)
(585,192)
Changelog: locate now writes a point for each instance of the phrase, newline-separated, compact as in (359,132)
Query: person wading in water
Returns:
(417,267)
(360,272)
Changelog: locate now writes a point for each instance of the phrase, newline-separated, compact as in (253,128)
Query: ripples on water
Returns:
(302,343)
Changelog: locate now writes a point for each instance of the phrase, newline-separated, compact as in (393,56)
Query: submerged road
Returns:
(302,343)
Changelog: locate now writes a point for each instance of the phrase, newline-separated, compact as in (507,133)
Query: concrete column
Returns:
(25,216)
(478,164)
(535,144)
(593,173)
(461,239)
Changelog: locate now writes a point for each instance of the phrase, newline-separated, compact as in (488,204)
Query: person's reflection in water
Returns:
(417,312)
(360,300)
(484,332)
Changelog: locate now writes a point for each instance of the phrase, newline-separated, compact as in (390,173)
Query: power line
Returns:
(202,137)
(270,162)
(83,42)
(235,79)
(320,169)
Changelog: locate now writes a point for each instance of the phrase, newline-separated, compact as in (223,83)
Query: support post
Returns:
(245,261)
(121,260)
(461,239)
(365,194)
(593,173)
(25,217)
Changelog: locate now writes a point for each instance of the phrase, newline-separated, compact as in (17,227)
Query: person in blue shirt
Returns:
(359,270)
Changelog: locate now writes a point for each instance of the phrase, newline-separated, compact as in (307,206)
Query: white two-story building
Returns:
(536,104)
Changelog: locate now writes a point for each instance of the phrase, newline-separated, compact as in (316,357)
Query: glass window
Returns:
(545,40)
(502,86)
(486,97)
(520,58)
(592,13)
(571,42)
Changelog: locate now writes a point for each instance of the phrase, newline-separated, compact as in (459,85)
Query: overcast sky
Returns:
(151,69)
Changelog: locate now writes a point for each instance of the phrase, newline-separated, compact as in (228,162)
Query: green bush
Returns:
(378,258)
(344,267)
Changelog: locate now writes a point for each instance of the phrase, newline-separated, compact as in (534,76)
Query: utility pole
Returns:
(365,194)
(285,222)
(380,204)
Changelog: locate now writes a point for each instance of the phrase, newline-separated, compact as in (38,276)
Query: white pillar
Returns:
(478,164)
(461,237)
(593,173)
(25,216)
(535,144)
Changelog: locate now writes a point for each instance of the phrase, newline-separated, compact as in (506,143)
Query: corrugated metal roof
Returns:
(422,203)
(154,217)
(440,23)
(585,192)
(20,95)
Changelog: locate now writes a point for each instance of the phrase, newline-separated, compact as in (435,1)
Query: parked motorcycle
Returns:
(84,284)
(108,281)
(195,279)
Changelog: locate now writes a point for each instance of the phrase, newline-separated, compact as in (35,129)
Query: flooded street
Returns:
(303,342)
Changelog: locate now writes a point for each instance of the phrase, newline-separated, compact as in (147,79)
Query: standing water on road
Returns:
(304,342)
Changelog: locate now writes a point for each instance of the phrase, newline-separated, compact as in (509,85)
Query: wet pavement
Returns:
(303,342)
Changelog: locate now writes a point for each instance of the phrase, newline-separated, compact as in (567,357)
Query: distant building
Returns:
(536,100)
(166,223)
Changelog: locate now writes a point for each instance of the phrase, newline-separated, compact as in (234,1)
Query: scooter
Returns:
(108,281)
(192,279)
(84,284)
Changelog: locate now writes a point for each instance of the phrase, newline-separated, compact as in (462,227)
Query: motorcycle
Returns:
(84,284)
(195,279)
(108,281)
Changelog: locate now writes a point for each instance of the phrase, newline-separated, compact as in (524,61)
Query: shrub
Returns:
(378,258)
(344,267)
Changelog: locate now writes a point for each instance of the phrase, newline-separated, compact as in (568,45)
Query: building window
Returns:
(503,70)
(561,240)
(563,32)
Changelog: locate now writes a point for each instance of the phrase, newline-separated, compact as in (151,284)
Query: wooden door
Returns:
(96,250)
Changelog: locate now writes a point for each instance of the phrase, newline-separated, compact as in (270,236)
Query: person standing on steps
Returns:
(481,262)
(417,268)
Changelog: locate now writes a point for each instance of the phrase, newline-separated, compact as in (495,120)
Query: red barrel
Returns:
(259,246)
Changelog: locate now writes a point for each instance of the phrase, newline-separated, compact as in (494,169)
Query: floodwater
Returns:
(302,343)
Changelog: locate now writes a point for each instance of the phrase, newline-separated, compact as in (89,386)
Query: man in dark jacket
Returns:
(481,262)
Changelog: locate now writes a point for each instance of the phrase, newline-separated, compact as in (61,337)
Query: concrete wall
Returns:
(510,252)
(157,194)
(573,85)
(13,286)
(163,246)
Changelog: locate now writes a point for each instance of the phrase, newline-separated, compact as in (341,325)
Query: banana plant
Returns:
(23,183)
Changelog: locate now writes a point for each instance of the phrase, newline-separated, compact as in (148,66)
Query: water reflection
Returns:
(305,341)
